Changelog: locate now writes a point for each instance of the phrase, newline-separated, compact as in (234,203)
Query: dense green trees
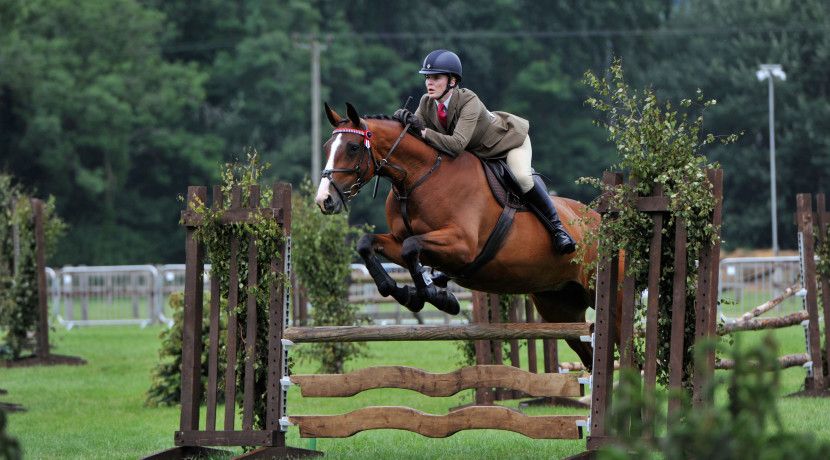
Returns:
(116,106)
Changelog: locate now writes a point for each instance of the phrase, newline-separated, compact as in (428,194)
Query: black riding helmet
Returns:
(443,62)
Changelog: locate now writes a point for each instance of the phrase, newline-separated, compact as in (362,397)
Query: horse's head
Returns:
(349,161)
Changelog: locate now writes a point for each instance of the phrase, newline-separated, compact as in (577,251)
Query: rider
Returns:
(455,119)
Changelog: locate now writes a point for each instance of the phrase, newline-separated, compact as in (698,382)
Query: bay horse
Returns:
(449,214)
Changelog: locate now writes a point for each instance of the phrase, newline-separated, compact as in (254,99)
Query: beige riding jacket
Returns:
(471,127)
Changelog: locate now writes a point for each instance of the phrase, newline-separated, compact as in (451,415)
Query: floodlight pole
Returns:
(316,105)
(770,72)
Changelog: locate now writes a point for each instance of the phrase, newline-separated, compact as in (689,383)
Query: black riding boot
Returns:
(539,199)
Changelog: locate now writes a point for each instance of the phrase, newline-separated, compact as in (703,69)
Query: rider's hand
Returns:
(407,117)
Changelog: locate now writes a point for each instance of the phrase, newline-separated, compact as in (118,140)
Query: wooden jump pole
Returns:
(438,332)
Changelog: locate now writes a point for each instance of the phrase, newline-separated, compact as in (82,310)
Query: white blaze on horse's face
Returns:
(324,190)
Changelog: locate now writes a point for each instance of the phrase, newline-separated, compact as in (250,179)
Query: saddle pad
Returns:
(496,172)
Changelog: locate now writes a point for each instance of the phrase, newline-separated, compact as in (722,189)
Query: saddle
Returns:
(503,184)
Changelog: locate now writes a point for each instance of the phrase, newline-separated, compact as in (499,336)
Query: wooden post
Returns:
(482,347)
(43,351)
(192,320)
(823,220)
(604,339)
(215,323)
(706,301)
(807,242)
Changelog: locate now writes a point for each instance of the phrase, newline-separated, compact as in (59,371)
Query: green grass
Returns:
(97,410)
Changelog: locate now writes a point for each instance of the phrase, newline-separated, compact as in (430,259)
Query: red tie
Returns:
(442,115)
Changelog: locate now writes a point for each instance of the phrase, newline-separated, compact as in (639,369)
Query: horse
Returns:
(440,213)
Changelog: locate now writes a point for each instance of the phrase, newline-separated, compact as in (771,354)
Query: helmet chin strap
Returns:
(447,89)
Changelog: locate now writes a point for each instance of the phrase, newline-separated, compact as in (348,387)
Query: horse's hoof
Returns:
(386,289)
(440,279)
(447,303)
(409,298)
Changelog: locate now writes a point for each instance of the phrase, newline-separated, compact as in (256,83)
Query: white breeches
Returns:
(518,160)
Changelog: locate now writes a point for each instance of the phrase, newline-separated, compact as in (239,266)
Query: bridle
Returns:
(362,172)
(360,183)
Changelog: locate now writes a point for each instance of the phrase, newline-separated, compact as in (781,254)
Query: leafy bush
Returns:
(323,247)
(166,389)
(19,313)
(747,425)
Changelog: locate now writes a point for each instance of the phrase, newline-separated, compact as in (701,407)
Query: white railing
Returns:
(746,282)
(109,295)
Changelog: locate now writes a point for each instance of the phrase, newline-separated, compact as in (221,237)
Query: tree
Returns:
(101,120)
(727,42)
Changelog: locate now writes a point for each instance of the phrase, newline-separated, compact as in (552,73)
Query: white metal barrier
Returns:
(170,280)
(107,295)
(746,282)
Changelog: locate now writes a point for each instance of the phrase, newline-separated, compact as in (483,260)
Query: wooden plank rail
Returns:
(437,385)
(437,332)
(438,426)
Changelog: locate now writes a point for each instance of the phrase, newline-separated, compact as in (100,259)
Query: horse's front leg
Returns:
(437,244)
(390,247)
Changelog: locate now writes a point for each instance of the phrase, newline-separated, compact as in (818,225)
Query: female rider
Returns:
(455,119)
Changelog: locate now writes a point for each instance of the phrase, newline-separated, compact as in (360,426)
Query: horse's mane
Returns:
(415,132)
(382,116)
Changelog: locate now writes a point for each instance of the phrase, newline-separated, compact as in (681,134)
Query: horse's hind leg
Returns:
(405,295)
(566,306)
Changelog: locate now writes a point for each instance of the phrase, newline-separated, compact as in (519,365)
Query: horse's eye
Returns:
(353,149)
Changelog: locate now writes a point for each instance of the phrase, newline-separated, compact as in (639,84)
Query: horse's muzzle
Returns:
(331,205)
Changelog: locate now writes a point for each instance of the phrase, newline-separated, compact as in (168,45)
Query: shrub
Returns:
(746,425)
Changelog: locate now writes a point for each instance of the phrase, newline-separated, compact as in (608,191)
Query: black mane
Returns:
(382,116)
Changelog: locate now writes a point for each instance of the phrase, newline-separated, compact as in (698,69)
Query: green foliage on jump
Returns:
(166,389)
(323,247)
(657,146)
(18,264)
(745,425)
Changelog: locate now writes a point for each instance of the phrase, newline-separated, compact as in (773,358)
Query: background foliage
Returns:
(115,106)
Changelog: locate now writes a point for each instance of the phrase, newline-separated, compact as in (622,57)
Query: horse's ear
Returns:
(352,114)
(332,116)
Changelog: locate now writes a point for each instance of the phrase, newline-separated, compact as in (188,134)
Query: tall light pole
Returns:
(771,72)
(316,107)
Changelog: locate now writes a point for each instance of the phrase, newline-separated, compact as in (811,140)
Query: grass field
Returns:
(97,411)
